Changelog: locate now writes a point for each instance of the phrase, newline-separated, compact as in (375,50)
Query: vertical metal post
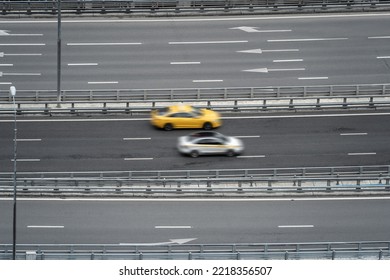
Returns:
(13,93)
(59,53)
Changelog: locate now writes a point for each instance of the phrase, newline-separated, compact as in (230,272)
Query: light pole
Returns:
(12,91)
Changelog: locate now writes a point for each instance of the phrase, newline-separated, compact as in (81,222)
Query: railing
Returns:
(361,97)
(191,6)
(248,251)
(245,182)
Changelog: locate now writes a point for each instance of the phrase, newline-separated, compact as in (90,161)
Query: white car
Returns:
(209,143)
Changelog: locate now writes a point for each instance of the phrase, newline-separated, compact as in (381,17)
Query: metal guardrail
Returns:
(199,94)
(248,251)
(362,180)
(180,6)
(357,97)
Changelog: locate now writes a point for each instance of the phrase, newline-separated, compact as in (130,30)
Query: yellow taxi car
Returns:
(185,116)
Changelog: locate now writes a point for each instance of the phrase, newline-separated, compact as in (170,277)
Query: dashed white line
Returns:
(383,57)
(140,138)
(248,136)
(296,226)
(288,60)
(354,134)
(83,64)
(20,74)
(306,40)
(22,54)
(20,44)
(379,37)
(361,154)
(185,62)
(26,160)
(104,44)
(103,82)
(172,227)
(6,65)
(313,78)
(208,42)
(137,159)
(29,140)
(44,226)
(207,81)
(255,156)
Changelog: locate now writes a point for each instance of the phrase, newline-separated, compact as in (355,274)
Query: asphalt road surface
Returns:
(113,144)
(213,221)
(254,51)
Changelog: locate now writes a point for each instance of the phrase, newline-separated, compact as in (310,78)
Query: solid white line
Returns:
(296,226)
(383,57)
(28,140)
(129,139)
(39,226)
(354,134)
(103,44)
(313,78)
(82,64)
(287,60)
(26,159)
(207,81)
(361,154)
(207,42)
(107,82)
(172,227)
(258,156)
(379,37)
(185,62)
(138,158)
(306,40)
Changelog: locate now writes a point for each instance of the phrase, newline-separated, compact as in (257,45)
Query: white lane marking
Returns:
(26,160)
(379,37)
(255,156)
(136,159)
(207,81)
(313,78)
(248,136)
(44,226)
(172,227)
(20,74)
(207,42)
(296,226)
(354,134)
(140,138)
(22,54)
(104,44)
(383,57)
(306,40)
(288,60)
(250,29)
(20,44)
(267,70)
(184,62)
(29,140)
(6,65)
(6,83)
(361,154)
(103,82)
(83,64)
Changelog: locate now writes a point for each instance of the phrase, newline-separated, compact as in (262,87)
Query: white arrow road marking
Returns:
(4,32)
(172,241)
(1,54)
(250,29)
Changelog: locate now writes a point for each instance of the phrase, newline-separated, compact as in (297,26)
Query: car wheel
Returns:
(207,126)
(194,154)
(168,127)
(230,153)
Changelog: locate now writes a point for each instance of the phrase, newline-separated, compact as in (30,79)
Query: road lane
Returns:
(99,145)
(205,221)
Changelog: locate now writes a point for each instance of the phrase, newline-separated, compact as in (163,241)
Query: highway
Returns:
(117,143)
(198,221)
(112,53)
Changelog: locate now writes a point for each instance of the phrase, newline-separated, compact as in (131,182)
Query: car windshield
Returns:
(162,111)
(196,112)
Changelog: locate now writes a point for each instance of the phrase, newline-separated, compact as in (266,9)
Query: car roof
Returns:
(180,108)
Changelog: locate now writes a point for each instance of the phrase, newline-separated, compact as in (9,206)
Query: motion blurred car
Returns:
(209,143)
(185,116)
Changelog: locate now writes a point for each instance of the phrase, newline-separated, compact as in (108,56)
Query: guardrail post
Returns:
(345,105)
(238,256)
(265,104)
(380,254)
(179,187)
(239,186)
(92,256)
(333,254)
(72,111)
(209,188)
(189,255)
(291,104)
(269,185)
(286,255)
(318,105)
(371,104)
(140,256)
(104,108)
(235,106)
(358,181)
